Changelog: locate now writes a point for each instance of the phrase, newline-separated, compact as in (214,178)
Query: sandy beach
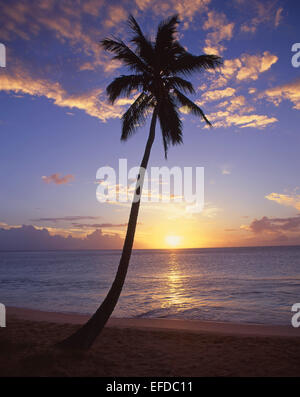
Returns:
(147,347)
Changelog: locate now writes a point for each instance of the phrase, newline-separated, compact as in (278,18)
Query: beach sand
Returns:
(146,347)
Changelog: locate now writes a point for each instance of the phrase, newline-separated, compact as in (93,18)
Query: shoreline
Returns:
(195,326)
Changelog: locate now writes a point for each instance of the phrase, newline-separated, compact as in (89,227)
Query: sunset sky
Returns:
(57,128)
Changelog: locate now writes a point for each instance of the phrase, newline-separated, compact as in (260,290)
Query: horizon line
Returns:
(156,249)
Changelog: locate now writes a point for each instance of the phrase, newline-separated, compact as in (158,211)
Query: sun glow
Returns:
(173,241)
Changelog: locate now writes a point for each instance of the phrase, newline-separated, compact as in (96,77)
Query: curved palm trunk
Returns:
(85,336)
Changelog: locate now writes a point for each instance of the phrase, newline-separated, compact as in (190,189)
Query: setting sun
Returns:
(173,241)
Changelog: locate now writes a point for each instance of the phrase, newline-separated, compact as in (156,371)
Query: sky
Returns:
(57,128)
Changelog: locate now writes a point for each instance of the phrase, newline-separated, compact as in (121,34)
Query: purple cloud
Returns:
(66,218)
(275,225)
(28,237)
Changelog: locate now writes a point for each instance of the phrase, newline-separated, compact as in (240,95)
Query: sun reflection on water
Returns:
(175,285)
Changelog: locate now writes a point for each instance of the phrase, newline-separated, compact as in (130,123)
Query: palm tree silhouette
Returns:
(157,67)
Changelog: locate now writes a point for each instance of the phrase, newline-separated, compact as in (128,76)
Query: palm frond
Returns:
(124,85)
(135,115)
(166,33)
(143,44)
(125,54)
(187,63)
(193,108)
(166,46)
(170,123)
(178,82)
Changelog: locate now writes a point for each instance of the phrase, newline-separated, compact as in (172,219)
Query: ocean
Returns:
(248,285)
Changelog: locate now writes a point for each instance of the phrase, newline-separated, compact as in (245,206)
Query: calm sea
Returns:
(255,285)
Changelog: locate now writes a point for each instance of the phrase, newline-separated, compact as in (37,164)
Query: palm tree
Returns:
(158,68)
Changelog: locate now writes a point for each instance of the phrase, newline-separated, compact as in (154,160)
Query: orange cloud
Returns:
(222,30)
(290,91)
(116,14)
(234,109)
(28,17)
(218,94)
(251,120)
(185,8)
(21,82)
(92,7)
(253,65)
(278,17)
(238,103)
(184,110)
(247,67)
(292,200)
(227,119)
(57,179)
(265,13)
